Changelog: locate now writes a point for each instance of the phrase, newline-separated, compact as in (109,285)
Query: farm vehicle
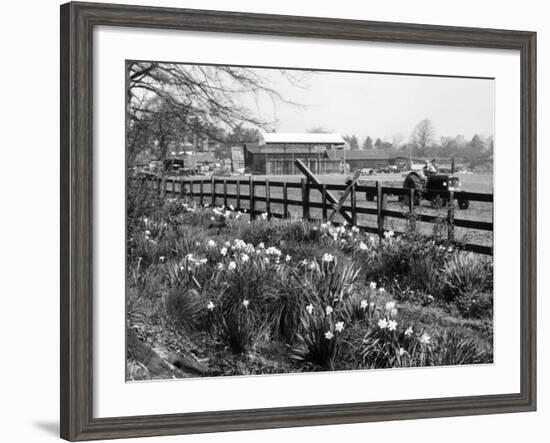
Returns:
(432,187)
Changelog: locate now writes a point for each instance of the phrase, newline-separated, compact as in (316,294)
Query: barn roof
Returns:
(302,138)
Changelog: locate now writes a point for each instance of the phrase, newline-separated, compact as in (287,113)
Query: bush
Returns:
(464,273)
(320,341)
(238,329)
(186,308)
(285,303)
(454,347)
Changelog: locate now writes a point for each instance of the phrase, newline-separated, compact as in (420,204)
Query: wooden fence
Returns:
(215,191)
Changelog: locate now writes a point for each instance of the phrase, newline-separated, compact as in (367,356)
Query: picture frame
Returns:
(78,21)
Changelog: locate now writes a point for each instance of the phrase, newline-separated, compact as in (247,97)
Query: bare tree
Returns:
(201,98)
(423,136)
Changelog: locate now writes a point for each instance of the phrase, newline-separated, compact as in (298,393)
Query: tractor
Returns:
(427,187)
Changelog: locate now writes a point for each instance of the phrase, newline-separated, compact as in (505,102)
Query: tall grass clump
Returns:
(465,273)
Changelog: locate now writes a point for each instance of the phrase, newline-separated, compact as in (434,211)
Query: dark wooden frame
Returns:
(77,24)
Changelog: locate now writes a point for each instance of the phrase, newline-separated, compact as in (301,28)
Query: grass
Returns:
(275,296)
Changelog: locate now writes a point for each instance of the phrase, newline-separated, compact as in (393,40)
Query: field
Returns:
(211,293)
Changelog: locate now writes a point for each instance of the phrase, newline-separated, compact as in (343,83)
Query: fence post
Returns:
(238,190)
(412,219)
(285,200)
(191,194)
(324,201)
(305,199)
(213,190)
(201,190)
(353,197)
(252,201)
(182,192)
(225,192)
(267,199)
(380,200)
(451,218)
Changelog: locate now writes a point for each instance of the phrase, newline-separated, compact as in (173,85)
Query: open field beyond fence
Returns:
(295,197)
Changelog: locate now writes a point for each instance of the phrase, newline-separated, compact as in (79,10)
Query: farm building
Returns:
(274,160)
(276,152)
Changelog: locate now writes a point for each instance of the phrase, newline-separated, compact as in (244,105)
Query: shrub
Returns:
(238,329)
(285,304)
(425,273)
(464,273)
(320,341)
(454,347)
(186,308)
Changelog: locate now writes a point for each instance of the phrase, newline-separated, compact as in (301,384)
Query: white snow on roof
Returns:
(302,137)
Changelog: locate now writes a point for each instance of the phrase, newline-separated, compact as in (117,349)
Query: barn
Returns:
(276,152)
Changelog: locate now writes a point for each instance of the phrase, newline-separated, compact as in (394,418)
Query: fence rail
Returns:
(215,191)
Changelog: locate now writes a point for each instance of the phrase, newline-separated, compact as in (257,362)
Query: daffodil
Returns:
(425,339)
(329,335)
(339,326)
(409,331)
(232,265)
(392,325)
(309,309)
(329,310)
(210,306)
(364,304)
(372,285)
(246,303)
(211,244)
(382,323)
(327,258)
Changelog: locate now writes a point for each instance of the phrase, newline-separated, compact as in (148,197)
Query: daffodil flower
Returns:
(425,339)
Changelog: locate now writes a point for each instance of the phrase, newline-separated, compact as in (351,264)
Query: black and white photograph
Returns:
(294,220)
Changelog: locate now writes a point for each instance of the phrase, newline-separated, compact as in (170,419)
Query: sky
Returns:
(378,105)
